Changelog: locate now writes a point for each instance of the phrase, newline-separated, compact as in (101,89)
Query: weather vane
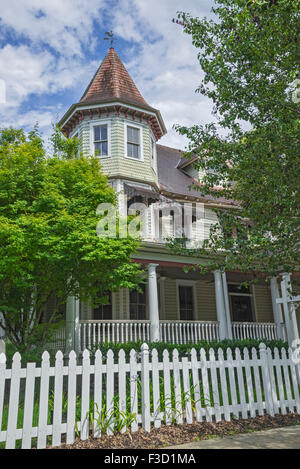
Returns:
(109,37)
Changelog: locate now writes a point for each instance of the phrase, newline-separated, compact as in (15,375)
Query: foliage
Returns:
(185,349)
(48,240)
(249,55)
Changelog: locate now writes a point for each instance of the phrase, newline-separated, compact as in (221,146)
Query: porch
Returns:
(179,308)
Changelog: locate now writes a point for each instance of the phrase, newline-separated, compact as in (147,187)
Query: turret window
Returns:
(100,140)
(133,142)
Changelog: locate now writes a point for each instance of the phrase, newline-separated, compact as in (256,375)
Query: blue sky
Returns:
(50,49)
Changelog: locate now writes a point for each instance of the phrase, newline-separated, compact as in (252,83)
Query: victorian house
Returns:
(116,124)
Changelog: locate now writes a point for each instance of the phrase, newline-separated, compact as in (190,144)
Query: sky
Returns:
(50,49)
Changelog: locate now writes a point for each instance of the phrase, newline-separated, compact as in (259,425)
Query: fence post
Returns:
(266,378)
(145,388)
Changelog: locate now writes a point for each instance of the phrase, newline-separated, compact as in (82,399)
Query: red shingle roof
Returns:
(112,81)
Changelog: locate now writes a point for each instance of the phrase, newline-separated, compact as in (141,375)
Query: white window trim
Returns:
(154,160)
(96,123)
(136,126)
(187,283)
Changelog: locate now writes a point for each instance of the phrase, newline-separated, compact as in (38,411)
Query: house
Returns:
(115,123)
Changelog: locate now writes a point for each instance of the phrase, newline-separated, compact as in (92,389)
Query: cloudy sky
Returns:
(50,49)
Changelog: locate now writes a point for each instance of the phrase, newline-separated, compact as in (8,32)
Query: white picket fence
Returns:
(142,390)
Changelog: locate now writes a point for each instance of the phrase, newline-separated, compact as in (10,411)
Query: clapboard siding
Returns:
(206,301)
(263,303)
(170,299)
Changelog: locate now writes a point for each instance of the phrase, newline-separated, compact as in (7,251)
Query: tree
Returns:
(248,54)
(48,240)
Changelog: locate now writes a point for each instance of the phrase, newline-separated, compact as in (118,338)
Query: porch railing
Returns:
(92,332)
(256,330)
(181,332)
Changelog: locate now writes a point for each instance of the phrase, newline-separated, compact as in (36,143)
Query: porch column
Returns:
(220,305)
(277,312)
(153,303)
(289,307)
(72,324)
(226,304)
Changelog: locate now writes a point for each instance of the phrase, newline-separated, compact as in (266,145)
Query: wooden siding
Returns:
(263,303)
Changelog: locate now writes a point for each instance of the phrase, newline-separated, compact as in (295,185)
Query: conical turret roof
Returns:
(112,82)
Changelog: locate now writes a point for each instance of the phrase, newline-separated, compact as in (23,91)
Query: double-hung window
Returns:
(133,142)
(100,135)
(186,303)
(138,304)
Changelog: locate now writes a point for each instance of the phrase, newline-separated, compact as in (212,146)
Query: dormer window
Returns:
(134,142)
(100,140)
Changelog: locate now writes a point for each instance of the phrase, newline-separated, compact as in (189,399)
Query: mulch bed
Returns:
(179,434)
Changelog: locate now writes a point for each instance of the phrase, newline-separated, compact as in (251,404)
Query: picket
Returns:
(2,384)
(58,389)
(122,386)
(110,391)
(13,402)
(177,388)
(97,393)
(28,406)
(167,388)
(145,388)
(85,397)
(71,410)
(155,390)
(214,387)
(133,390)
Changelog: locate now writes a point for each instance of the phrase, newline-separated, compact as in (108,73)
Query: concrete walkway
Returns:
(277,438)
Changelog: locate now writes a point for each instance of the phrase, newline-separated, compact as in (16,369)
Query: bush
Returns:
(185,349)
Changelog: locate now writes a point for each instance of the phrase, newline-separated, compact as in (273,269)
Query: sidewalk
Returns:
(277,438)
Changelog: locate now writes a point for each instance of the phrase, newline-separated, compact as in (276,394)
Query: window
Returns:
(102,312)
(240,303)
(186,302)
(100,140)
(138,304)
(133,142)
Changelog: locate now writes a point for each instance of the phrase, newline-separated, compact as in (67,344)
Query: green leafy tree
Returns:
(48,239)
(249,54)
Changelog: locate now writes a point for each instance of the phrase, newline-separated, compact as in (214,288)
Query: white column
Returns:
(72,324)
(153,303)
(220,305)
(226,304)
(277,312)
(294,333)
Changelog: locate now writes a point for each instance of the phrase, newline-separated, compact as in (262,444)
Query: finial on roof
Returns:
(109,37)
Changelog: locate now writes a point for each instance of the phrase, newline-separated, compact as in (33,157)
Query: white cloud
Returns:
(63,25)
(161,58)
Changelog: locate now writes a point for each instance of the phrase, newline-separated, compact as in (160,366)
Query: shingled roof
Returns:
(112,81)
(173,180)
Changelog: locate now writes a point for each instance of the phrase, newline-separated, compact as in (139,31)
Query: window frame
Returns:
(98,123)
(130,303)
(251,295)
(153,153)
(186,283)
(140,128)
